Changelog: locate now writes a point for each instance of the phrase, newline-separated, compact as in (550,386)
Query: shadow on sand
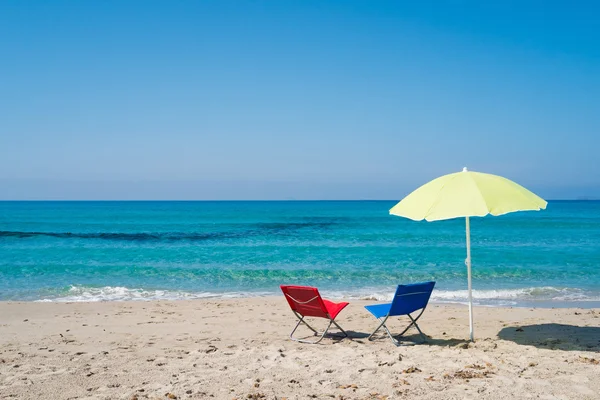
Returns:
(406,340)
(357,335)
(554,336)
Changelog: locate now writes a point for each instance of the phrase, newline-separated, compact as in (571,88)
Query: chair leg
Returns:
(414,322)
(302,321)
(382,324)
(340,328)
(396,341)
(301,318)
(309,341)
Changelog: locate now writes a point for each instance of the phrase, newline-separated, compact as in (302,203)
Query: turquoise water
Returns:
(70,251)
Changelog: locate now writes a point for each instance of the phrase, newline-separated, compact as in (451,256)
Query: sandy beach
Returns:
(239,349)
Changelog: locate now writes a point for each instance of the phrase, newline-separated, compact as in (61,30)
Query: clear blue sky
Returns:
(295,99)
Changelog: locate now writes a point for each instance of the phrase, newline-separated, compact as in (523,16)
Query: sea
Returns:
(72,251)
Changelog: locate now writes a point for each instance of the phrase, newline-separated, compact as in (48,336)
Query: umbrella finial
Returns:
(465,169)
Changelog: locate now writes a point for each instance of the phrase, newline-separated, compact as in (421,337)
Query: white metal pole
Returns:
(468,262)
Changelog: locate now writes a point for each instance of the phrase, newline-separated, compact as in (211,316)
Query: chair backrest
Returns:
(410,298)
(305,300)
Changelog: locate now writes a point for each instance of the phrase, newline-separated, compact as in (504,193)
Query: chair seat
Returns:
(406,300)
(333,309)
(305,301)
(379,310)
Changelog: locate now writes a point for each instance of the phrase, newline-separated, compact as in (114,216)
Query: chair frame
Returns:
(396,341)
(315,332)
(413,320)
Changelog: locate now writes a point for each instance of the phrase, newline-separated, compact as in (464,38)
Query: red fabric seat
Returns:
(306,301)
(334,308)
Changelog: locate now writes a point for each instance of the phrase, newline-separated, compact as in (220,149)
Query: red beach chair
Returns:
(305,301)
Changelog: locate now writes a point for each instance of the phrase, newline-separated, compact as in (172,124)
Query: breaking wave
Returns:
(119,293)
(484,297)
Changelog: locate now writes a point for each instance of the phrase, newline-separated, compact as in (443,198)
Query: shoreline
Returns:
(541,304)
(523,297)
(235,348)
(331,294)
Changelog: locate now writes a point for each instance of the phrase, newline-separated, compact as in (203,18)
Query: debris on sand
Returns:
(211,349)
(589,360)
(468,374)
(352,386)
(475,366)
(400,383)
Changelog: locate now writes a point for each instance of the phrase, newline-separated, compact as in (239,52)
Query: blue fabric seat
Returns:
(407,300)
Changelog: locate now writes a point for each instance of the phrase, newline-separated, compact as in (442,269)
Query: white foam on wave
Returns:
(499,297)
(496,297)
(119,293)
(532,293)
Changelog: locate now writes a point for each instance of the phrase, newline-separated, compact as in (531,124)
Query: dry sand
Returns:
(239,349)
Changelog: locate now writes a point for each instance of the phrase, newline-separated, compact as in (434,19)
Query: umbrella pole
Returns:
(468,262)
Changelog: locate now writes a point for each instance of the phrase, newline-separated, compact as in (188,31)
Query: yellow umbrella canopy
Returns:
(467,194)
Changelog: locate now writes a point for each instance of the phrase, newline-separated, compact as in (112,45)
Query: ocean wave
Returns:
(484,297)
(118,293)
(532,293)
(500,297)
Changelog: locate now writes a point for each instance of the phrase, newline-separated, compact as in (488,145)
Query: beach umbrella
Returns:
(467,194)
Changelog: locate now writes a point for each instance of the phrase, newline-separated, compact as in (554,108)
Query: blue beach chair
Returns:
(407,300)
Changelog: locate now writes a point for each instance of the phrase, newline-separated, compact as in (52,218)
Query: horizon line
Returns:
(229,200)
